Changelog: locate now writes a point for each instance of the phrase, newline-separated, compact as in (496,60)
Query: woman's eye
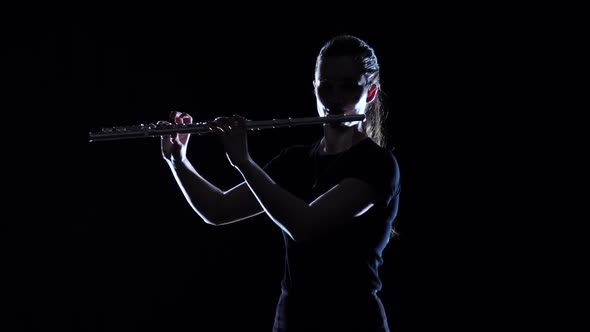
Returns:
(326,85)
(343,86)
(350,86)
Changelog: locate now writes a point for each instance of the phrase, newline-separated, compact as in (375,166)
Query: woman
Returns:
(335,200)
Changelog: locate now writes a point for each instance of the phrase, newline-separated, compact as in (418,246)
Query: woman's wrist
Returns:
(244,164)
(176,164)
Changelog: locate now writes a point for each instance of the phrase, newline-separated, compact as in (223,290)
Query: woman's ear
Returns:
(372,93)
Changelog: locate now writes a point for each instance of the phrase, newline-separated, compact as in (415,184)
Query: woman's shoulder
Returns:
(380,159)
(375,150)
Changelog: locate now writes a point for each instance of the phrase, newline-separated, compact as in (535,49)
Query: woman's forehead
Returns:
(339,68)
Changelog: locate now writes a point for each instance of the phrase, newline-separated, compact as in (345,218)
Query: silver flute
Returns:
(200,128)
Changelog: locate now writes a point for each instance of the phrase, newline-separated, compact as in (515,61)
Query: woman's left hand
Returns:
(232,132)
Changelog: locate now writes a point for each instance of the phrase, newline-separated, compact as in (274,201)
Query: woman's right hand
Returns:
(174,146)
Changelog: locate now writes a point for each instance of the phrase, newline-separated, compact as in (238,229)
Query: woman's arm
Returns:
(340,205)
(213,205)
(302,221)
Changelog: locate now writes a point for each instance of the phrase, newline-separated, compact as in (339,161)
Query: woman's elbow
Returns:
(209,219)
(211,222)
(209,213)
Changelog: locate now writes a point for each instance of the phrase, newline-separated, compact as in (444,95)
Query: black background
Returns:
(105,239)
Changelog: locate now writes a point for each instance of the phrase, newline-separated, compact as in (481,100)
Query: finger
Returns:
(214,127)
(182,118)
(223,123)
(165,138)
(170,138)
(173,115)
(187,119)
(178,118)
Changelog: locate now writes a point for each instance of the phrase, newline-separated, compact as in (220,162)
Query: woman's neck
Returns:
(340,138)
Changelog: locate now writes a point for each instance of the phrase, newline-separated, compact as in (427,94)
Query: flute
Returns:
(200,128)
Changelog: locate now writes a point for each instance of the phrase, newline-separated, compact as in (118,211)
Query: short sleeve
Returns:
(381,171)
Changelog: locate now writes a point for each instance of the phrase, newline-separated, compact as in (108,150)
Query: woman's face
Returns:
(340,87)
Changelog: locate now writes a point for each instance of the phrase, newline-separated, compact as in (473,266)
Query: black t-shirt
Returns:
(347,258)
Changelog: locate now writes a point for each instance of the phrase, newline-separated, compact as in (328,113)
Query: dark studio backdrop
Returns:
(129,253)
